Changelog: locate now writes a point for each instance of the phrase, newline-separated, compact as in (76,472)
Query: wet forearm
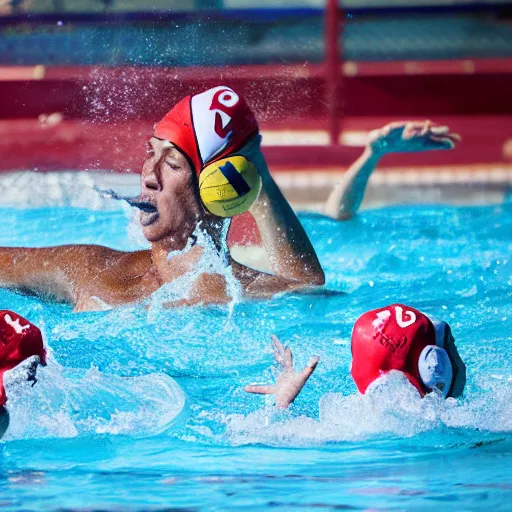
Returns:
(348,195)
(289,249)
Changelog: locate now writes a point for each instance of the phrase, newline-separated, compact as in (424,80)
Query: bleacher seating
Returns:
(294,40)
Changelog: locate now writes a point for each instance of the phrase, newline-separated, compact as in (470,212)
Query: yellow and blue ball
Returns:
(229,186)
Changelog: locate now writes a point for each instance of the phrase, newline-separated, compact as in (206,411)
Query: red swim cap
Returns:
(209,125)
(19,340)
(390,338)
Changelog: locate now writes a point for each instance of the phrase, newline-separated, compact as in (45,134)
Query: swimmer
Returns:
(200,129)
(395,338)
(398,137)
(20,341)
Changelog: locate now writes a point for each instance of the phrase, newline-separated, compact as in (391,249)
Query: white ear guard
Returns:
(435,369)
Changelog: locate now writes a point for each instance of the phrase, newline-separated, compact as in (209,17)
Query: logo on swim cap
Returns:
(15,324)
(223,103)
(404,321)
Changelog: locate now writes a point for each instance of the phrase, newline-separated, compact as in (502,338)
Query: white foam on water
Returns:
(392,408)
(212,261)
(68,403)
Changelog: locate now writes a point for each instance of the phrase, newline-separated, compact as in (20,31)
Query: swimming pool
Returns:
(144,409)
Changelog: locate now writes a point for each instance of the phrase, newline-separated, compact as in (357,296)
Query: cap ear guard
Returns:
(435,369)
(444,339)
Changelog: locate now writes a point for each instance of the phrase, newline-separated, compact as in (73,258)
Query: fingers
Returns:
(447,140)
(455,137)
(440,130)
(283,355)
(413,127)
(310,367)
(416,128)
(440,135)
(279,351)
(405,129)
(425,129)
(442,143)
(288,358)
(410,136)
(260,390)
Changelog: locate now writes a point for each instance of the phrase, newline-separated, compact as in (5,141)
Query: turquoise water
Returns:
(144,409)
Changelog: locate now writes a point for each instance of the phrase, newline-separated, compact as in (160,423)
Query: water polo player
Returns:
(399,137)
(19,340)
(199,131)
(395,338)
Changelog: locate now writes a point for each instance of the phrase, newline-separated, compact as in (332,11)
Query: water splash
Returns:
(394,408)
(212,261)
(71,402)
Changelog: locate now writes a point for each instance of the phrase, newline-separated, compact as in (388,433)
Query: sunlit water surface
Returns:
(144,409)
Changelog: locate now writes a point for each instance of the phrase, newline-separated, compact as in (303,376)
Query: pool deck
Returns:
(457,185)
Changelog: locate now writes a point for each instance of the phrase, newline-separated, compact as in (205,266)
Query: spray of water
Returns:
(393,408)
(70,402)
(212,261)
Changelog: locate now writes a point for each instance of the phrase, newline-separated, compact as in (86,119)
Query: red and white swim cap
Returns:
(390,338)
(209,125)
(19,340)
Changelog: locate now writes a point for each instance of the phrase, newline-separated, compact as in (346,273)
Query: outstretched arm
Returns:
(37,271)
(292,257)
(61,272)
(398,137)
(289,383)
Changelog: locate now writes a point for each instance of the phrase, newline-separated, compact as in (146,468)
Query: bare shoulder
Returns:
(107,277)
(80,258)
(104,260)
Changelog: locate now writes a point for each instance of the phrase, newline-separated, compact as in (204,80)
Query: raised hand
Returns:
(411,136)
(288,383)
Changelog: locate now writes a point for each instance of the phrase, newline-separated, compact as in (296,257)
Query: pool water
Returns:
(144,409)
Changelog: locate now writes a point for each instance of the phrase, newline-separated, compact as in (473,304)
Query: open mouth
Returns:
(142,204)
(148,210)
(146,218)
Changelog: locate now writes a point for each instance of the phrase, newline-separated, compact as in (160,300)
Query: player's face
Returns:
(169,187)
